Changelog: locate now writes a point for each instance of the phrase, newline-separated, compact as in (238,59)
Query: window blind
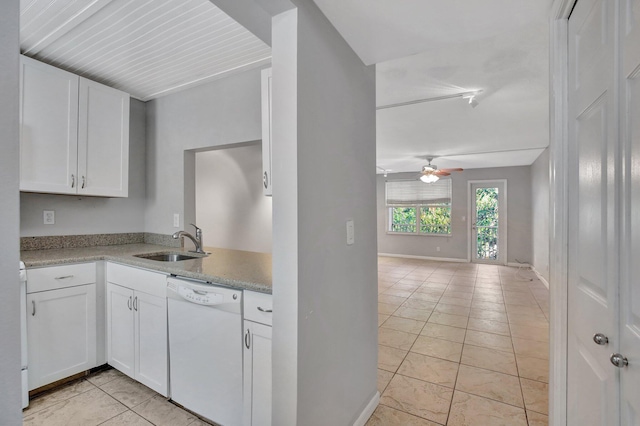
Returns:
(412,192)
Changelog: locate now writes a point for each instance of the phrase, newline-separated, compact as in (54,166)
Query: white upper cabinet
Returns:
(103,140)
(266,131)
(74,133)
(48,128)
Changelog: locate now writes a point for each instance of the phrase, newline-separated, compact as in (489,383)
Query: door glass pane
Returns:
(487,223)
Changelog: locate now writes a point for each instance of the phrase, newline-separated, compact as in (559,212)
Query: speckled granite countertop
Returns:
(236,268)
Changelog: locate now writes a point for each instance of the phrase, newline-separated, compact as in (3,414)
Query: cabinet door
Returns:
(120,337)
(151,341)
(266,131)
(103,140)
(257,374)
(48,128)
(61,329)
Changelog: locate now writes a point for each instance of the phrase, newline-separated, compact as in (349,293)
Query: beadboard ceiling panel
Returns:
(147,48)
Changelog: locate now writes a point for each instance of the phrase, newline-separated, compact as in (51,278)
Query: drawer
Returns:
(63,276)
(149,282)
(255,305)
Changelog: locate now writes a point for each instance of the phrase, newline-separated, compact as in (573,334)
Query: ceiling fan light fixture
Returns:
(431,178)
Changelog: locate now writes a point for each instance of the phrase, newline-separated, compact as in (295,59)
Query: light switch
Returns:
(350,232)
(176,220)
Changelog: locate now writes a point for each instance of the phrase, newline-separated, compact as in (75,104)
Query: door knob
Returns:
(619,361)
(600,339)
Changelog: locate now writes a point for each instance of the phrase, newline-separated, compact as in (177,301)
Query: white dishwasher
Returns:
(205,349)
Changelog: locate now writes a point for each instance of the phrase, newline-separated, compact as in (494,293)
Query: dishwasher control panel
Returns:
(200,297)
(203,294)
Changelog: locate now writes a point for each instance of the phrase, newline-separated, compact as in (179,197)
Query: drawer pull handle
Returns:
(33,311)
(64,277)
(265,310)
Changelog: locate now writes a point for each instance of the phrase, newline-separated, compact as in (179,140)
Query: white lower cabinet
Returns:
(257,359)
(61,322)
(137,343)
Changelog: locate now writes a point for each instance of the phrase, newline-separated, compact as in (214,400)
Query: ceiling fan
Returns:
(430,173)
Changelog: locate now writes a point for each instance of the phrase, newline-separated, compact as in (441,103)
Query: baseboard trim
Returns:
(368,410)
(410,256)
(539,275)
(519,265)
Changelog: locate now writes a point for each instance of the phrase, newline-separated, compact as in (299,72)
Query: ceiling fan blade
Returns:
(452,170)
(441,173)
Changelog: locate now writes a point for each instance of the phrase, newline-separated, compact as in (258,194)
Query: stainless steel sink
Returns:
(167,257)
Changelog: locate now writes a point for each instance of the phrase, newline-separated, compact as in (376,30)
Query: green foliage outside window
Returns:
(434,219)
(403,219)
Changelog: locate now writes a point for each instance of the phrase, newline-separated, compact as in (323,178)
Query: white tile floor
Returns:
(106,398)
(461,344)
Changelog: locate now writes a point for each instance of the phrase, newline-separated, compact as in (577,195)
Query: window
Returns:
(418,208)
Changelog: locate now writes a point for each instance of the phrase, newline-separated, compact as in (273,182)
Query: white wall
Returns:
(76,215)
(230,207)
(456,246)
(10,413)
(540,210)
(325,291)
(223,112)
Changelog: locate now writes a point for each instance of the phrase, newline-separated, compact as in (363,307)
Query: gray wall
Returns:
(456,246)
(222,112)
(230,207)
(540,210)
(10,413)
(76,215)
(324,324)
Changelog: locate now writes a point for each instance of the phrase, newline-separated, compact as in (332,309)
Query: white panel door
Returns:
(103,140)
(257,374)
(151,368)
(630,280)
(120,331)
(593,245)
(61,330)
(48,128)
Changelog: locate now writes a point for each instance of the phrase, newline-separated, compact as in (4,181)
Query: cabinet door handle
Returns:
(247,338)
(129,303)
(33,308)
(265,310)
(135,304)
(73,181)
(265,180)
(83,182)
(64,277)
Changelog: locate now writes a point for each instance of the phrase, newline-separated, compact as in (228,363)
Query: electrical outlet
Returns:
(49,217)
(176,220)
(350,232)
(438,248)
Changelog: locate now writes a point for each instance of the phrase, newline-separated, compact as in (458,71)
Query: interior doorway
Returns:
(487,221)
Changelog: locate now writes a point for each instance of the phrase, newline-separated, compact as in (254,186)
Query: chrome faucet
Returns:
(197,240)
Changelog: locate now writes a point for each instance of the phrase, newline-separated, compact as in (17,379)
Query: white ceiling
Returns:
(421,48)
(148,48)
(433,48)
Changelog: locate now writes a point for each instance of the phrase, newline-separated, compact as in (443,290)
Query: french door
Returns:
(488,220)
(604,208)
